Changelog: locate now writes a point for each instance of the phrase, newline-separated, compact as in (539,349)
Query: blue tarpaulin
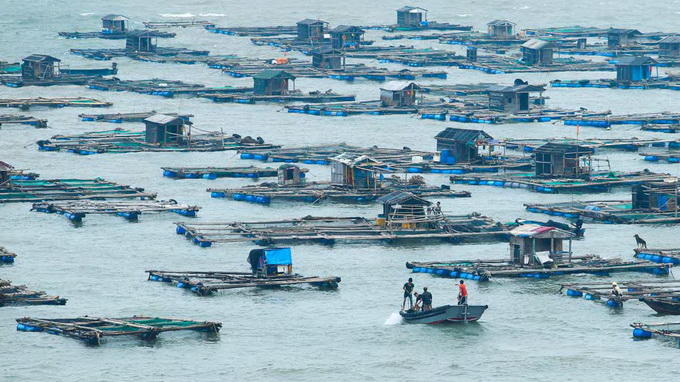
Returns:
(278,256)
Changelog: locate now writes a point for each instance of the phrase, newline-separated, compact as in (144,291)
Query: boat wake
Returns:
(393,319)
(178,15)
(212,14)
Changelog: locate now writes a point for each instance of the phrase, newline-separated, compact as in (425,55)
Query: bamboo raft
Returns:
(75,211)
(112,36)
(597,182)
(125,141)
(67,189)
(670,330)
(606,211)
(21,295)
(631,290)
(328,230)
(26,103)
(8,119)
(484,270)
(503,65)
(160,87)
(626,144)
(205,283)
(95,330)
(107,54)
(253,31)
(6,257)
(128,117)
(178,24)
(666,255)
(295,96)
(665,118)
(219,172)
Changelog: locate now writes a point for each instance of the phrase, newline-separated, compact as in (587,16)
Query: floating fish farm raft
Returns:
(355,108)
(112,35)
(662,83)
(67,189)
(654,290)
(8,119)
(670,156)
(609,212)
(294,96)
(568,31)
(625,144)
(66,77)
(75,211)
(329,230)
(666,256)
(219,172)
(178,24)
(26,103)
(95,330)
(9,68)
(6,257)
(20,295)
(502,65)
(496,117)
(669,330)
(160,53)
(160,87)
(671,128)
(209,282)
(253,31)
(127,117)
(664,118)
(407,55)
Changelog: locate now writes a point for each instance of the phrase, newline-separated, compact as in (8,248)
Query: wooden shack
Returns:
(273,82)
(402,209)
(290,174)
(112,24)
(354,171)
(617,37)
(140,41)
(461,145)
(535,245)
(5,170)
(39,66)
(669,47)
(165,129)
(631,68)
(399,94)
(501,29)
(411,16)
(271,261)
(310,29)
(657,196)
(563,160)
(346,37)
(537,52)
(328,58)
(513,99)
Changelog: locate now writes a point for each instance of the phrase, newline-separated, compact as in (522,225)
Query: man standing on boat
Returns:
(427,299)
(462,293)
(408,294)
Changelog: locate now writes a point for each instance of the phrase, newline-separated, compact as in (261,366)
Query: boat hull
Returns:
(446,313)
(662,306)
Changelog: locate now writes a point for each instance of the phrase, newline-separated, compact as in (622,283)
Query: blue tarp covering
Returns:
(278,256)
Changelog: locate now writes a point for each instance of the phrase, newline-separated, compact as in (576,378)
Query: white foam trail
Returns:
(178,15)
(464,15)
(87,14)
(393,319)
(211,14)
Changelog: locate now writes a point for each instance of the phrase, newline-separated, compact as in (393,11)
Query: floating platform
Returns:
(290,97)
(95,330)
(65,77)
(606,211)
(26,103)
(495,117)
(254,31)
(17,191)
(670,156)
(347,109)
(625,144)
(631,290)
(668,330)
(112,36)
(666,255)
(107,54)
(178,24)
(8,119)
(329,230)
(128,117)
(661,83)
(672,128)
(160,87)
(219,172)
(10,67)
(503,65)
(6,257)
(75,211)
(21,295)
(430,25)
(664,118)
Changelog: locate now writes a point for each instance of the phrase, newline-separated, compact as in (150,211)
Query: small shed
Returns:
(355,171)
(537,52)
(140,41)
(563,160)
(621,37)
(273,82)
(634,68)
(310,29)
(501,29)
(112,24)
(461,145)
(533,244)
(346,37)
(5,171)
(669,47)
(399,94)
(411,16)
(328,58)
(271,261)
(165,129)
(290,174)
(402,209)
(513,99)
(657,196)
(39,66)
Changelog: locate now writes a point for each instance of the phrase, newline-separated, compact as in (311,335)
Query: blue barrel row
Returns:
(326,113)
(28,328)
(436,117)
(485,70)
(198,240)
(237,74)
(654,158)
(220,31)
(464,119)
(82,151)
(592,123)
(159,278)
(187,213)
(552,212)
(447,273)
(77,217)
(501,183)
(658,258)
(166,94)
(6,259)
(578,85)
(610,303)
(210,175)
(242,197)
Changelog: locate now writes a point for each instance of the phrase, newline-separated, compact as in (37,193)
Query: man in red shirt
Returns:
(462,293)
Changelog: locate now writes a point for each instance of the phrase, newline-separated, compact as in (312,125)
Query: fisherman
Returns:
(462,293)
(427,299)
(419,302)
(438,209)
(616,291)
(408,290)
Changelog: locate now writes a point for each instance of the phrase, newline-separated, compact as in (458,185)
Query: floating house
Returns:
(537,52)
(537,245)
(328,58)
(5,172)
(617,37)
(513,99)
(404,210)
(291,175)
(39,66)
(354,171)
(399,94)
(411,16)
(669,47)
(501,29)
(165,129)
(273,82)
(461,145)
(632,69)
(656,196)
(563,160)
(346,37)
(310,29)
(114,24)
(141,41)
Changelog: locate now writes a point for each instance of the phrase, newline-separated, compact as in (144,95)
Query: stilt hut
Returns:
(39,66)
(513,99)
(411,16)
(346,37)
(354,171)
(535,245)
(537,52)
(140,41)
(657,196)
(290,174)
(310,29)
(563,160)
(328,58)
(113,24)
(669,47)
(273,82)
(399,94)
(617,37)
(165,129)
(403,210)
(634,68)
(501,29)
(461,145)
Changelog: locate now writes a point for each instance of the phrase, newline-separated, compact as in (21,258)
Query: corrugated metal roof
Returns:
(114,17)
(670,40)
(400,197)
(516,88)
(540,232)
(5,166)
(350,159)
(346,28)
(500,22)
(462,135)
(411,9)
(563,148)
(269,74)
(635,61)
(163,119)
(40,58)
(629,32)
(394,86)
(535,43)
(311,22)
